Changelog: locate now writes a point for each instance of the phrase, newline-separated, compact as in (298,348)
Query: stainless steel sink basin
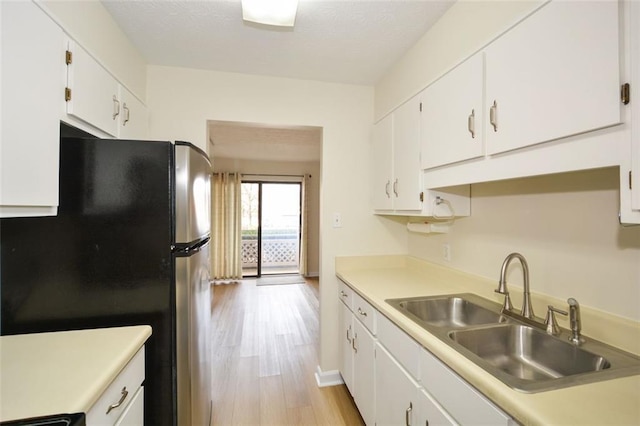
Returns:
(523,357)
(460,310)
(527,353)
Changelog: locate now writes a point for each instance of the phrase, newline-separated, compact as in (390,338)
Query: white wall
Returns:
(182,100)
(313,194)
(90,24)
(566,225)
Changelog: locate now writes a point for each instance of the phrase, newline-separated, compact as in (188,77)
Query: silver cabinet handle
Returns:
(126,113)
(386,189)
(123,396)
(116,107)
(343,294)
(353,342)
(361,312)
(407,414)
(348,338)
(493,116)
(471,123)
(395,187)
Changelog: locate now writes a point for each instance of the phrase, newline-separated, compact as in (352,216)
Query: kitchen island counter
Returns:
(62,372)
(377,278)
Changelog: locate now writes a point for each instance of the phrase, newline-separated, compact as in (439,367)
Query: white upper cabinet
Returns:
(96,98)
(554,75)
(93,96)
(453,115)
(133,117)
(406,156)
(32,75)
(382,160)
(396,159)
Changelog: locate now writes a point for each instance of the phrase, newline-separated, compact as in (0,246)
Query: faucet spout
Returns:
(527,309)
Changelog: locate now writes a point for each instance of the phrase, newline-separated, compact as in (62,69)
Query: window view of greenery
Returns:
(280,249)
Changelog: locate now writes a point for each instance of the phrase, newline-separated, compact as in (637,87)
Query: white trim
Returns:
(313,275)
(328,378)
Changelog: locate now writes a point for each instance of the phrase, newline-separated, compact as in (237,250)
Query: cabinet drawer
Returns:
(399,344)
(364,312)
(129,379)
(345,293)
(463,402)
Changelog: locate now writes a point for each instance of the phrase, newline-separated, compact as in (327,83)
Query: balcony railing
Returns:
(280,251)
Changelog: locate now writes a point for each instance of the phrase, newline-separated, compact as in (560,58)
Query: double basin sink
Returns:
(523,357)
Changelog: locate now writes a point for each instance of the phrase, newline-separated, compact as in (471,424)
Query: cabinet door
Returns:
(363,372)
(554,75)
(453,115)
(94,92)
(382,160)
(428,411)
(133,415)
(32,77)
(634,15)
(133,117)
(406,156)
(346,349)
(396,392)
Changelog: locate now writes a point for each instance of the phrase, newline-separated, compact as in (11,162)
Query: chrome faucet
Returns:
(575,322)
(527,309)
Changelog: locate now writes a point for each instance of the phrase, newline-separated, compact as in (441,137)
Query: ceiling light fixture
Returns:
(270,12)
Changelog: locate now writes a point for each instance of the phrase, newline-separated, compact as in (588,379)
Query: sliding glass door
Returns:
(270,228)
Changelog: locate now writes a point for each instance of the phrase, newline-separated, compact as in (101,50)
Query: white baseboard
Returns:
(328,378)
(313,274)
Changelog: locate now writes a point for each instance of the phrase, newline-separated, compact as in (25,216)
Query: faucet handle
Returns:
(550,320)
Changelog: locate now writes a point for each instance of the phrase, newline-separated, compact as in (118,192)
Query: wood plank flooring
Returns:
(265,345)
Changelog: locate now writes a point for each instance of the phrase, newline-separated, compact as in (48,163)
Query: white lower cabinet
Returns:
(461,400)
(122,403)
(357,345)
(363,368)
(133,415)
(346,348)
(396,381)
(399,398)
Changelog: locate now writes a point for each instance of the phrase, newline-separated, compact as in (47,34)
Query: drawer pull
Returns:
(343,294)
(361,312)
(116,107)
(471,123)
(348,338)
(407,414)
(123,396)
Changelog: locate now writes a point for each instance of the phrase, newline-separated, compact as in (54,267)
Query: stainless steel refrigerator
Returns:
(130,245)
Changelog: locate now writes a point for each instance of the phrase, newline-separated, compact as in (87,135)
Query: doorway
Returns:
(271,222)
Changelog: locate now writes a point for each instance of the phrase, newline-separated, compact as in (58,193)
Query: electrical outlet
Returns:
(337,220)
(446,252)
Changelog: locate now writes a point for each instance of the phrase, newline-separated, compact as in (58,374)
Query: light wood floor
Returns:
(265,345)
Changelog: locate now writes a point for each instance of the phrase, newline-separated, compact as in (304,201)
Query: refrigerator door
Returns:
(192,194)
(193,336)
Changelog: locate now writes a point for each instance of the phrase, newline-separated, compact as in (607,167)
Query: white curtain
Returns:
(303,224)
(226,232)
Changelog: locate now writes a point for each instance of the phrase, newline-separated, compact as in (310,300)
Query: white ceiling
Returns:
(344,41)
(348,41)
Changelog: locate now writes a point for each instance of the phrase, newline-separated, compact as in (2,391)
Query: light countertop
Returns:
(613,402)
(62,372)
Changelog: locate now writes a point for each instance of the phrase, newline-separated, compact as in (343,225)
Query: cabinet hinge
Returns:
(67,94)
(421,196)
(420,106)
(625,93)
(630,179)
(68,57)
